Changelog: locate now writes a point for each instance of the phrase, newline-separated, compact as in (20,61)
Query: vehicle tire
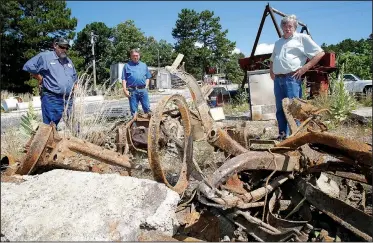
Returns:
(367,90)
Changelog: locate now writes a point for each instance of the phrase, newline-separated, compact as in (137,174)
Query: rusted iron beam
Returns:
(265,13)
(278,30)
(351,176)
(254,160)
(356,150)
(47,148)
(284,15)
(343,170)
(94,151)
(220,138)
(351,218)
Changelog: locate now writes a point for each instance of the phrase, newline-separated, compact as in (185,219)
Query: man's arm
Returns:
(75,77)
(34,66)
(38,77)
(124,82)
(298,74)
(313,52)
(148,76)
(271,71)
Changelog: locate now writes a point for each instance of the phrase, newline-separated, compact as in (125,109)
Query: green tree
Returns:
(151,49)
(215,45)
(186,35)
(205,29)
(103,49)
(126,36)
(356,56)
(28,27)
(233,70)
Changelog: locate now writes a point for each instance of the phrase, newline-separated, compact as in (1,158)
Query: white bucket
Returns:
(9,104)
(36,98)
(36,103)
(22,106)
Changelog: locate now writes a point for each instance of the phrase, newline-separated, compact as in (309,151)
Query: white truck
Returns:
(354,84)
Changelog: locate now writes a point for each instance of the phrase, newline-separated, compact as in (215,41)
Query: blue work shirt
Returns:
(59,75)
(135,74)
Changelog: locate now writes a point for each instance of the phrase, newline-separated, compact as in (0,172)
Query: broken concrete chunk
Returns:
(80,206)
(328,186)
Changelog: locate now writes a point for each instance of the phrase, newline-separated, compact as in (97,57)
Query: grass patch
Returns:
(94,128)
(12,142)
(231,109)
(25,97)
(366,100)
(240,104)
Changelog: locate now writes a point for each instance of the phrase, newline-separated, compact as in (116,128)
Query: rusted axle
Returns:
(47,148)
(361,152)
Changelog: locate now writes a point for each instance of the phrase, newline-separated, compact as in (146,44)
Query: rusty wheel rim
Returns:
(38,143)
(154,136)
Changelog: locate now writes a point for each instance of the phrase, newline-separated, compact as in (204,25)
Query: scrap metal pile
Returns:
(275,192)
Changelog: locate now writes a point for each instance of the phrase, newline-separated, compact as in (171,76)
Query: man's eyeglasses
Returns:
(63,47)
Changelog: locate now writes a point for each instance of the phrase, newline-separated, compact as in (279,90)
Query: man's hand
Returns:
(299,73)
(127,93)
(272,75)
(38,77)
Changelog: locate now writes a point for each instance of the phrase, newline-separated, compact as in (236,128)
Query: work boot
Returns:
(281,137)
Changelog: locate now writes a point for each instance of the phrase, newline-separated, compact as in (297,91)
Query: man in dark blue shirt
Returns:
(135,78)
(57,76)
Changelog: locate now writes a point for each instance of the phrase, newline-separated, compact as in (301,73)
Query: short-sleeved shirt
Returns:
(59,75)
(291,54)
(135,74)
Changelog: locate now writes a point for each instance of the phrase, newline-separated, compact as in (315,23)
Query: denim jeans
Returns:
(285,87)
(139,95)
(52,107)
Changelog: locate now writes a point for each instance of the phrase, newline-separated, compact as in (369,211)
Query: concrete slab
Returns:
(363,114)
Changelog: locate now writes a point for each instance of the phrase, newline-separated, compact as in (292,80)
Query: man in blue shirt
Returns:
(57,77)
(135,78)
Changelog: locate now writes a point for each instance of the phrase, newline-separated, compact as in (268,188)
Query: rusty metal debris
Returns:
(154,143)
(46,148)
(360,152)
(228,186)
(353,219)
(266,194)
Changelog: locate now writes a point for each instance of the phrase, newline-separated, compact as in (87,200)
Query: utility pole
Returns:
(159,67)
(93,36)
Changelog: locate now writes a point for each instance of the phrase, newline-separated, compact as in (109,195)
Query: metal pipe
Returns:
(284,15)
(275,22)
(97,152)
(259,30)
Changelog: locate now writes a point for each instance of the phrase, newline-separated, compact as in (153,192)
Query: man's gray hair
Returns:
(291,18)
(134,50)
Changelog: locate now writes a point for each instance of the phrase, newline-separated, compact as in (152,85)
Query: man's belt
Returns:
(284,75)
(137,87)
(44,90)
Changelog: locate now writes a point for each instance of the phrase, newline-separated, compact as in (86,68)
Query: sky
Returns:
(328,21)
